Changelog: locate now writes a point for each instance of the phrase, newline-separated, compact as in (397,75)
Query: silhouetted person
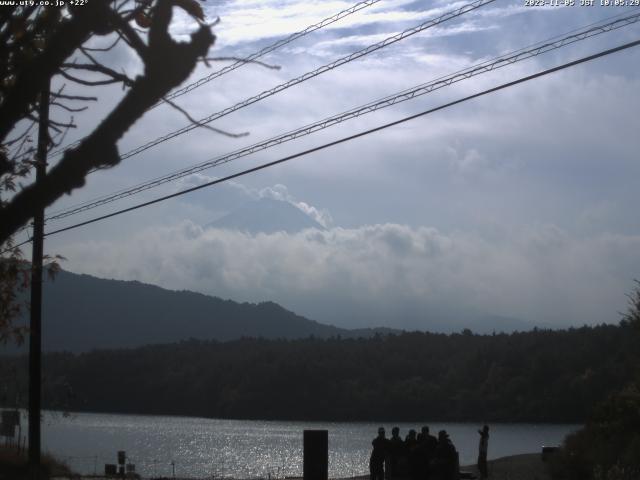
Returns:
(427,447)
(413,454)
(396,449)
(482,451)
(378,454)
(430,440)
(410,440)
(446,458)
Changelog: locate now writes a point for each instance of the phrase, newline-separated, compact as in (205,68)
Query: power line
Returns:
(309,75)
(270,48)
(251,58)
(352,137)
(441,82)
(7,250)
(349,58)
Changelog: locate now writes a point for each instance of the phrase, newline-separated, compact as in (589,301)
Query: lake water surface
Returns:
(200,447)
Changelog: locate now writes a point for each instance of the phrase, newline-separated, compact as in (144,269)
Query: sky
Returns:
(519,205)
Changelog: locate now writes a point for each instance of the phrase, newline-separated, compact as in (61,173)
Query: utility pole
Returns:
(35,325)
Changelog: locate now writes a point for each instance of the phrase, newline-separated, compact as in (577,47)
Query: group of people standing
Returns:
(420,456)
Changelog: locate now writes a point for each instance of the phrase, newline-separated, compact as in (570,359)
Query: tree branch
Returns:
(8,143)
(167,65)
(103,49)
(96,67)
(75,97)
(128,34)
(68,109)
(88,83)
(203,125)
(34,76)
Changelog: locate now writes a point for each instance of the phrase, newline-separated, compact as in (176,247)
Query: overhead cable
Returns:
(352,137)
(307,76)
(270,48)
(251,58)
(312,74)
(484,67)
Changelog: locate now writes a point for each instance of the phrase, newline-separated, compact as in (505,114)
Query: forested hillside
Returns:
(542,375)
(82,312)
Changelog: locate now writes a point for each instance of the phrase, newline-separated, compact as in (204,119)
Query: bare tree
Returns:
(38,43)
(632,316)
(167,63)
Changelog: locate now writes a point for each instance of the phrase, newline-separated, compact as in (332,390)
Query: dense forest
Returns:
(607,447)
(541,376)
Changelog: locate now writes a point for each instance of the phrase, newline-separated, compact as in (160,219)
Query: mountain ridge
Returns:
(82,312)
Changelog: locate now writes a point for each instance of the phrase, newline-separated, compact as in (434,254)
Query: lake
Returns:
(201,447)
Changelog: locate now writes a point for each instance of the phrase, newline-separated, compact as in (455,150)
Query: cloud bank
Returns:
(520,204)
(386,274)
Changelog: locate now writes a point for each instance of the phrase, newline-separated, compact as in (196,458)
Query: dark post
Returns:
(35,330)
(316,455)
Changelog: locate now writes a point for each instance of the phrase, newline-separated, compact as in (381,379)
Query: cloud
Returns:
(254,21)
(387,274)
(531,191)
(364,40)
(231,195)
(280,192)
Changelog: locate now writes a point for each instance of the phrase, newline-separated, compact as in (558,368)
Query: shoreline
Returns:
(303,420)
(523,466)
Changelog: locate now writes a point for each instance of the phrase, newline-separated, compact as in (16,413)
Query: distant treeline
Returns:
(537,376)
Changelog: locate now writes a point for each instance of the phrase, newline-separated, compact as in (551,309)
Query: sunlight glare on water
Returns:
(200,447)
